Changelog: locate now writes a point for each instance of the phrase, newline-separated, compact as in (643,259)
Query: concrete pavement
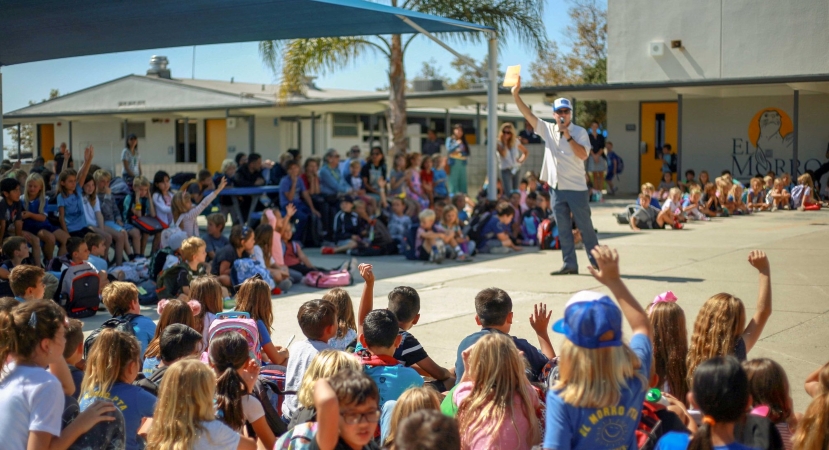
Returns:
(695,263)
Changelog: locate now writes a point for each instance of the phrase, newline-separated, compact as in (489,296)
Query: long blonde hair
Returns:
(594,378)
(719,324)
(324,365)
(109,357)
(184,401)
(345,310)
(670,347)
(411,401)
(813,429)
(181,203)
(34,176)
(512,138)
(490,404)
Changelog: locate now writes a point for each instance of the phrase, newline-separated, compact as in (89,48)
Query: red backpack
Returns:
(548,235)
(649,429)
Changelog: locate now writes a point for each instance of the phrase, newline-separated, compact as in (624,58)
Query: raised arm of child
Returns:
(328,415)
(608,274)
(540,321)
(813,384)
(88,154)
(367,299)
(754,329)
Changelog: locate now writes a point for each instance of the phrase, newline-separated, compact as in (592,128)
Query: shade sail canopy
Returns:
(50,29)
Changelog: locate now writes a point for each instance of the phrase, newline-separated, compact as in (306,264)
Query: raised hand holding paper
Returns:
(511,77)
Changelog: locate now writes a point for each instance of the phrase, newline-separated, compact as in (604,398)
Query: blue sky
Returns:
(33,81)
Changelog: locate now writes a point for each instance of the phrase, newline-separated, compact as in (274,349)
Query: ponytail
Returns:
(229,388)
(24,325)
(701,440)
(229,353)
(813,429)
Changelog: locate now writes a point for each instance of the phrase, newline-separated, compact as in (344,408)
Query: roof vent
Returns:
(158,67)
(427,85)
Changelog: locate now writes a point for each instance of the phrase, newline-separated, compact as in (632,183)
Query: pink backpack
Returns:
(239,322)
(326,280)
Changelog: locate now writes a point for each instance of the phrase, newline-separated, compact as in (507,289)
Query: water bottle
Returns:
(655,396)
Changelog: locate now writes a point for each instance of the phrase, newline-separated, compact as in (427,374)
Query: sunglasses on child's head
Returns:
(254,277)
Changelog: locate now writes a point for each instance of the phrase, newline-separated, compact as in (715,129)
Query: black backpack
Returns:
(477,225)
(157,261)
(79,297)
(264,390)
(120,323)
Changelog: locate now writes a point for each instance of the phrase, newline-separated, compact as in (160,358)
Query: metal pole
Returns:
(372,122)
(186,152)
(795,162)
(492,118)
(19,144)
(2,132)
(478,133)
(252,133)
(447,125)
(313,133)
(678,136)
(70,142)
(299,134)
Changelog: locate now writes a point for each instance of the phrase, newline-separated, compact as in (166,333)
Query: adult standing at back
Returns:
(566,147)
(458,151)
(131,160)
(597,162)
(511,155)
(432,144)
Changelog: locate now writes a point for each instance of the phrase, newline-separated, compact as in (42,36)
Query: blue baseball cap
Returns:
(591,320)
(562,103)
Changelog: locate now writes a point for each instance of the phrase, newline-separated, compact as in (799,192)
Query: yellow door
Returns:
(658,127)
(216,143)
(46,133)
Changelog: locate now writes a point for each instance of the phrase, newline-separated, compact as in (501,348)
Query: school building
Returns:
(730,84)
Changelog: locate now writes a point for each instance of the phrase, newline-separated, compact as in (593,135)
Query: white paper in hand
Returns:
(511,77)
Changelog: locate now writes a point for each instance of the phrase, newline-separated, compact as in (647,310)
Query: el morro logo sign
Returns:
(768,147)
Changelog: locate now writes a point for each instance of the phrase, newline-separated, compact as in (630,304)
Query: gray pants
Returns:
(575,202)
(510,181)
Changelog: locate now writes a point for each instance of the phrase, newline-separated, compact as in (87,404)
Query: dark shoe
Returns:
(565,271)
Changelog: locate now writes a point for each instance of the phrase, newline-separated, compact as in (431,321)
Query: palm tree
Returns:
(298,58)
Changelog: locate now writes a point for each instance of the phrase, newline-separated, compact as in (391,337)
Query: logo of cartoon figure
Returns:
(770,131)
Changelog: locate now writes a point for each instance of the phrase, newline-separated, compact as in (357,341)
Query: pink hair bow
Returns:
(665,297)
(194,305)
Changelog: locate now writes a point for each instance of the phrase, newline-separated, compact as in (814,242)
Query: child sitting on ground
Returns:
(691,206)
(97,251)
(185,214)
(721,392)
(170,312)
(27,283)
(399,223)
(348,228)
(710,201)
(495,234)
(720,328)
(114,363)
(813,428)
(459,202)
(666,185)
(177,341)
(214,239)
(121,300)
(254,298)
(11,217)
(15,250)
(347,411)
(451,223)
(413,400)
(734,201)
(804,197)
(324,365)
(78,254)
(428,429)
(493,313)
(73,352)
(262,252)
(241,246)
(297,261)
(778,197)
(496,404)
(346,324)
(176,280)
(602,381)
(649,190)
(138,204)
(378,335)
(404,303)
(318,322)
(432,242)
(439,177)
(768,386)
(113,222)
(673,209)
(756,196)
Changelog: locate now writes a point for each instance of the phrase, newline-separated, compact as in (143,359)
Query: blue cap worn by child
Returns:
(591,320)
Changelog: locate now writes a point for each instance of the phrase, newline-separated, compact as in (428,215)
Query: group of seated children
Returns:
(701,199)
(363,381)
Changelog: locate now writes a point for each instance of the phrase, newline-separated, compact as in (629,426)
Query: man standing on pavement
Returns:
(432,144)
(566,147)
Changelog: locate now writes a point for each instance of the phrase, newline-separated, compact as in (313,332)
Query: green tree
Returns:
(585,63)
(27,137)
(298,58)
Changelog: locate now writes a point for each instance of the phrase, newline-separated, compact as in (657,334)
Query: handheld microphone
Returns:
(561,120)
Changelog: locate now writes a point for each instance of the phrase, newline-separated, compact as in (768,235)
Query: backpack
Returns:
(78,291)
(173,231)
(529,228)
(649,429)
(330,279)
(157,261)
(120,323)
(270,391)
(149,296)
(167,280)
(244,268)
(300,437)
(240,322)
(148,224)
(152,383)
(409,242)
(56,263)
(477,225)
(548,235)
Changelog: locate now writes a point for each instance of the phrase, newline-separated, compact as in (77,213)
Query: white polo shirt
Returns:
(561,168)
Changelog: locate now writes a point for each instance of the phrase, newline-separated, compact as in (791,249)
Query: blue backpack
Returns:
(410,251)
(244,268)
